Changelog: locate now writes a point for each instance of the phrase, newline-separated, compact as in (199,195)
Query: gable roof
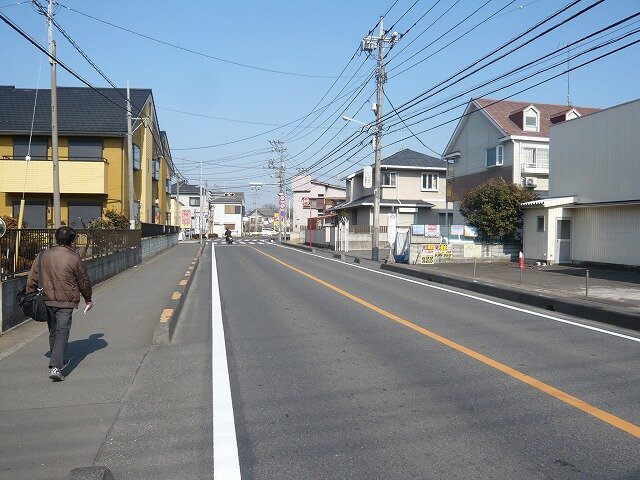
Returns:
(80,110)
(409,160)
(504,114)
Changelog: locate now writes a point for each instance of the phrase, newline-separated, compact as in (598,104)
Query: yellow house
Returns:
(94,167)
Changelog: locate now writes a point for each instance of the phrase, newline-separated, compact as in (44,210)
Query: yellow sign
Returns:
(437,250)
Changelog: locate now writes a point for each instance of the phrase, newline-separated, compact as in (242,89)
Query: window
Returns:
(35,214)
(39,146)
(156,169)
(155,214)
(540,223)
(167,185)
(535,157)
(430,181)
(388,179)
(136,157)
(85,149)
(81,213)
(495,156)
(233,209)
(531,123)
(194,201)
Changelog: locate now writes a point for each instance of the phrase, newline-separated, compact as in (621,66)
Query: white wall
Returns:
(606,235)
(596,157)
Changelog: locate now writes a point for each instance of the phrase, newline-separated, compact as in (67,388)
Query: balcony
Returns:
(76,176)
(535,161)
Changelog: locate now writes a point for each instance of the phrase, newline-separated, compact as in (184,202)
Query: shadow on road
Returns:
(78,350)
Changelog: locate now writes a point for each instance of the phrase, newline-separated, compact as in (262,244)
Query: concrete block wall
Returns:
(99,270)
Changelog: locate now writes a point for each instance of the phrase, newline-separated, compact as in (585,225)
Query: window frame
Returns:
(423,185)
(194,201)
(156,169)
(84,142)
(390,175)
(137,159)
(531,113)
(540,223)
(498,159)
(23,141)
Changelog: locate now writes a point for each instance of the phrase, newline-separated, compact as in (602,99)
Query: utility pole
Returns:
(201,207)
(132,220)
(278,146)
(369,44)
(255,186)
(54,118)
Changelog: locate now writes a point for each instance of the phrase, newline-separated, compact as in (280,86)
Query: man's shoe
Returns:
(56,375)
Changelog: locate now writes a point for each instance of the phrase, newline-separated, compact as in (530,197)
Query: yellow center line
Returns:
(535,383)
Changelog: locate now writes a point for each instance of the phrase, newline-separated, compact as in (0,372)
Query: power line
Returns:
(194,52)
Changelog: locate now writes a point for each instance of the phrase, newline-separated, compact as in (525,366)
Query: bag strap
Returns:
(40,270)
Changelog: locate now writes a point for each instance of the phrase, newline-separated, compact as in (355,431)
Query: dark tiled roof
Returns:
(368,200)
(410,158)
(80,110)
(506,114)
(186,189)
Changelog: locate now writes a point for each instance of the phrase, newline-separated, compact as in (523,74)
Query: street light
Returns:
(375,233)
(255,186)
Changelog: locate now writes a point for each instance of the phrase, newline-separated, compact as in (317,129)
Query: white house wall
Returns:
(596,157)
(475,137)
(540,246)
(606,235)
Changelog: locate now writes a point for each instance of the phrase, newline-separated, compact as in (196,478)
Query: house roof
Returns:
(367,200)
(410,160)
(262,212)
(81,110)
(329,185)
(186,189)
(504,114)
(237,197)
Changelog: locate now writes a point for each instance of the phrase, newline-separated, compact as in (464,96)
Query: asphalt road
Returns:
(339,372)
(332,371)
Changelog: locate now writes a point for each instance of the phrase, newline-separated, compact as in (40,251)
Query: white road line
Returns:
(474,297)
(226,464)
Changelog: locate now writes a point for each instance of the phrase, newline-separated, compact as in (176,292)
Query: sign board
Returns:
(443,250)
(432,230)
(457,229)
(391,228)
(305,201)
(186,219)
(367,176)
(471,250)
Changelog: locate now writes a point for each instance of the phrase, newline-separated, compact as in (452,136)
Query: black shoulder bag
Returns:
(33,304)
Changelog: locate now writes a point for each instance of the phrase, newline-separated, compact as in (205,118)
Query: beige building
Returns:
(94,168)
(412,188)
(592,215)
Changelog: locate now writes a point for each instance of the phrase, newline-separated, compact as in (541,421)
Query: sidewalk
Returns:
(613,296)
(113,405)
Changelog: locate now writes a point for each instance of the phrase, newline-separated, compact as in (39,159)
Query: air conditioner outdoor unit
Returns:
(530,182)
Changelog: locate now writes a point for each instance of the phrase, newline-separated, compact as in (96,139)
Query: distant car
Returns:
(268,232)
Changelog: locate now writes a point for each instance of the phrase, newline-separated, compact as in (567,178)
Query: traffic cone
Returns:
(521,261)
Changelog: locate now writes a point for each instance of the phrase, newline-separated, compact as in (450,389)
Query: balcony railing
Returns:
(88,176)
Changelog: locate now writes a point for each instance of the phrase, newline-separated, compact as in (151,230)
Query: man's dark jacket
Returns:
(64,277)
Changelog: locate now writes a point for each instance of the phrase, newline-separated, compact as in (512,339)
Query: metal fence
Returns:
(89,244)
(156,229)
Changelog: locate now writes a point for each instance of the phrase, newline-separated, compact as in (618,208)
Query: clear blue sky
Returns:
(312,40)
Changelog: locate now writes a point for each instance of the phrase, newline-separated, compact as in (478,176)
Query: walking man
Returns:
(64,279)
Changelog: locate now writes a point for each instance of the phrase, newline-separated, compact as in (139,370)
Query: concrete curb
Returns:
(91,473)
(611,315)
(299,246)
(163,330)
